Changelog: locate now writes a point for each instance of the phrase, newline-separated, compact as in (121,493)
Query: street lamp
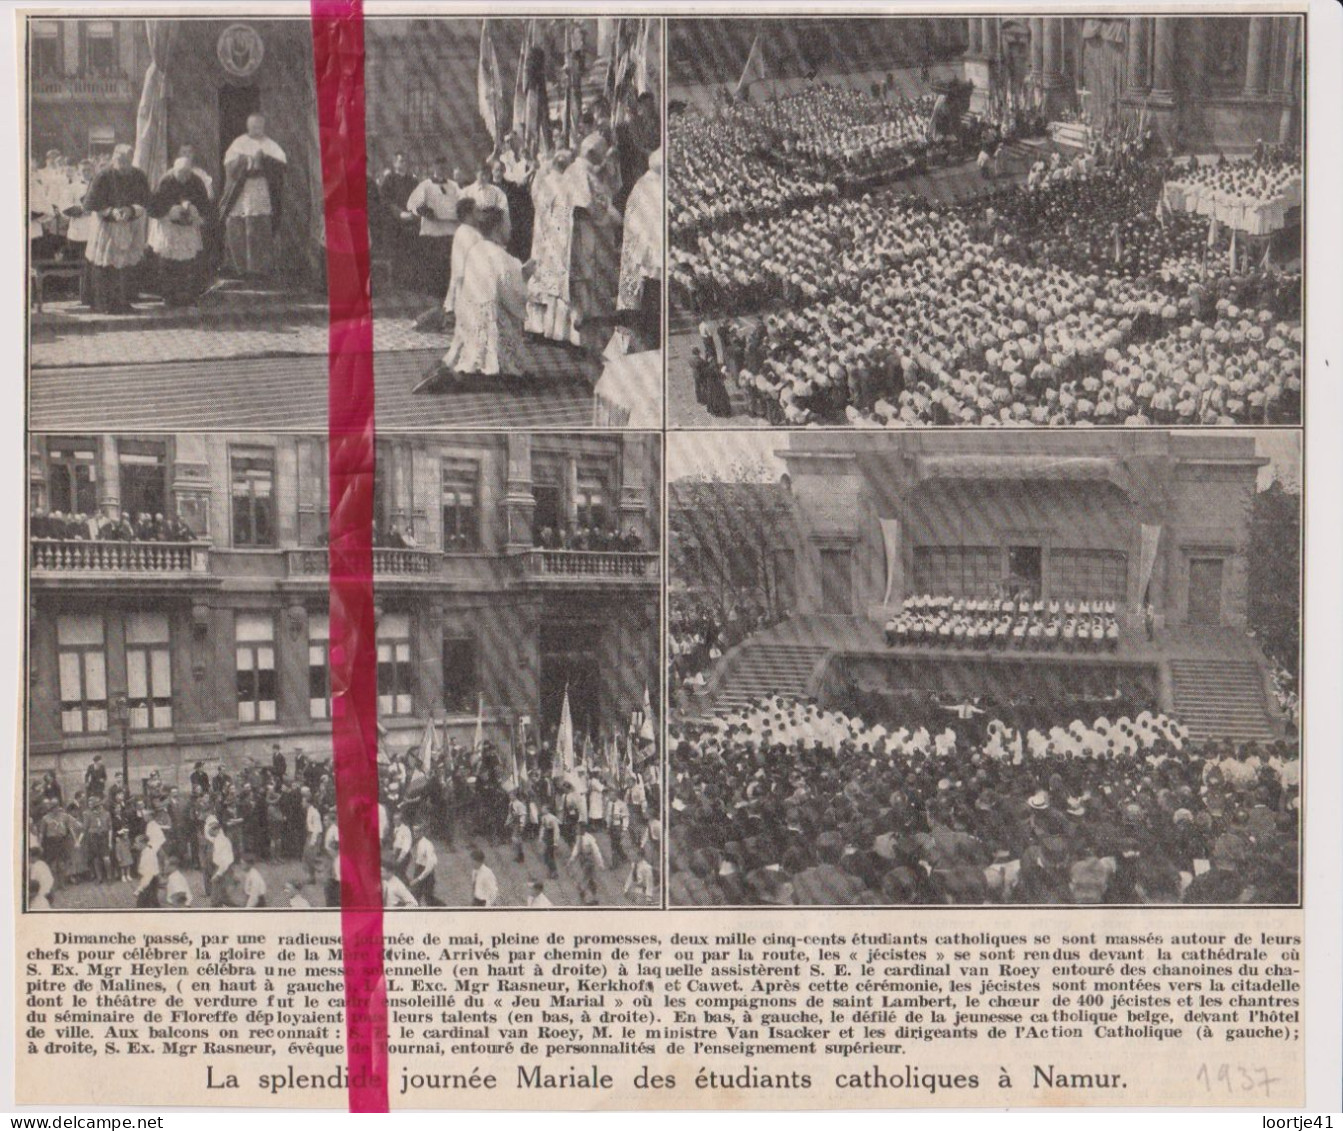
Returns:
(119,714)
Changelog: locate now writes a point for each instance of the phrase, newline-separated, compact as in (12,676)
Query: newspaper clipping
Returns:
(832,589)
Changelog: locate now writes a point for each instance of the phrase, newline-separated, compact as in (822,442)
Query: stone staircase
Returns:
(762,668)
(1219,698)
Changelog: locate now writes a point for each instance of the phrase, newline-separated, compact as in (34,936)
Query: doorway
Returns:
(1205,590)
(1024,569)
(144,481)
(569,658)
(236,104)
(836,582)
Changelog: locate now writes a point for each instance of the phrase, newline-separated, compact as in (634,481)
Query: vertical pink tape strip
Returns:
(338,58)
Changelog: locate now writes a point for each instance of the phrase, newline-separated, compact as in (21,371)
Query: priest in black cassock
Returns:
(394,191)
(180,216)
(117,199)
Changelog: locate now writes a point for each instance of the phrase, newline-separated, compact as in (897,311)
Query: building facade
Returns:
(215,648)
(1123,517)
(1202,81)
(88,85)
(85,79)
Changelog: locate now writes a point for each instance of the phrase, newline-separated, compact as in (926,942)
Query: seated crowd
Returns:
(787,803)
(793,151)
(961,622)
(108,528)
(1072,300)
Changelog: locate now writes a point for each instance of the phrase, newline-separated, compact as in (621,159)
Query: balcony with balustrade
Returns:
(80,88)
(589,567)
(387,562)
(72,562)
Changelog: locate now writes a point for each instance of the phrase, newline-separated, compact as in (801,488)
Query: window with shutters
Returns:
(46,40)
(254,637)
(149,681)
(253,484)
(957,571)
(319,665)
(313,510)
(81,657)
(1083,575)
(548,494)
(72,472)
(461,510)
(592,498)
(395,676)
(100,49)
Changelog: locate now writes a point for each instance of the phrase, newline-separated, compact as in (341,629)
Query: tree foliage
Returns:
(1275,573)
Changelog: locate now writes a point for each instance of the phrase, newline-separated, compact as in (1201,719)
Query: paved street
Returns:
(215,386)
(453,881)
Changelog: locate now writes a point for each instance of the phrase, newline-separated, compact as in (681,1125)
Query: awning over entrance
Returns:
(1032,467)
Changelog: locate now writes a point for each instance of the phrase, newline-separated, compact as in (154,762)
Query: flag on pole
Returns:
(564,740)
(520,122)
(428,746)
(642,79)
(571,105)
(479,740)
(489,86)
(646,724)
(754,71)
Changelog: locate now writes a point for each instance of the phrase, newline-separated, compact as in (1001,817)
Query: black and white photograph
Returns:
(179,744)
(177,256)
(986,220)
(962,668)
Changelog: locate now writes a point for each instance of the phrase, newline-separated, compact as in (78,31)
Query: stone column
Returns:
(1163,59)
(1257,55)
(518,501)
(975,46)
(1138,80)
(1284,81)
(1037,47)
(633,504)
(1053,59)
(109,472)
(991,37)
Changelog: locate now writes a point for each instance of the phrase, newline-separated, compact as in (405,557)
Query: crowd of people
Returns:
(1078,297)
(788,803)
(230,828)
(797,150)
(1250,196)
(574,536)
(173,238)
(698,636)
(942,621)
(80,527)
(562,246)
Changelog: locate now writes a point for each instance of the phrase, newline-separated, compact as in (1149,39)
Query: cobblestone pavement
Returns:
(213,340)
(452,881)
(291,393)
